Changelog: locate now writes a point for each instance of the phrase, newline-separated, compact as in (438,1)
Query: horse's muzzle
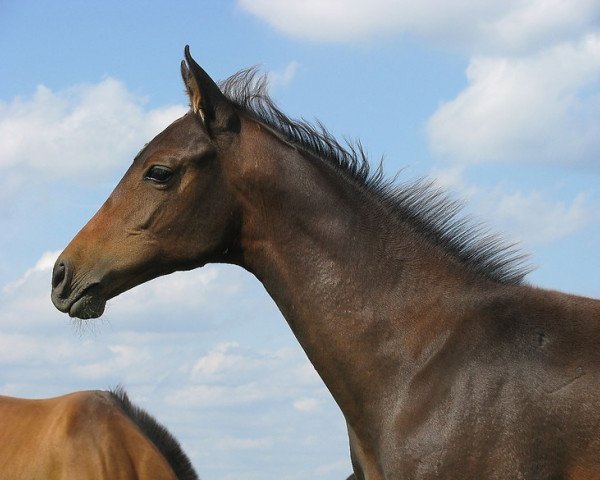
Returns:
(83,302)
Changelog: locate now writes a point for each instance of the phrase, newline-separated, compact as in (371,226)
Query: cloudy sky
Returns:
(499,101)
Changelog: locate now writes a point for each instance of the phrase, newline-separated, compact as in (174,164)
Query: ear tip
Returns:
(186,52)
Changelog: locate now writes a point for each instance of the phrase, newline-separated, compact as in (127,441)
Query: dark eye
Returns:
(159,174)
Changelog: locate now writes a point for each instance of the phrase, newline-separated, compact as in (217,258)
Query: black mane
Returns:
(426,207)
(163,440)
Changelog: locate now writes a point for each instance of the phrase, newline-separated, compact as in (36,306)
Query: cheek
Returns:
(164,213)
(190,215)
(197,218)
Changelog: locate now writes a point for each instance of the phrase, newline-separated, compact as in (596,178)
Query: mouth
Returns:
(86,305)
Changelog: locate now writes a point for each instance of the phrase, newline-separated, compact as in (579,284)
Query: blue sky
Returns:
(498,101)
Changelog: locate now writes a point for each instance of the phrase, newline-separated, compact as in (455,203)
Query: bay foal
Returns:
(443,362)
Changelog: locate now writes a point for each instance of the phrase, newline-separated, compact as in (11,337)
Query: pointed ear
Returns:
(206,99)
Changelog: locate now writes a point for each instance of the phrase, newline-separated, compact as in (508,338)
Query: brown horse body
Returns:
(90,435)
(443,363)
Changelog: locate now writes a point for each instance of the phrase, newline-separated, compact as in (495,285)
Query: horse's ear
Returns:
(206,99)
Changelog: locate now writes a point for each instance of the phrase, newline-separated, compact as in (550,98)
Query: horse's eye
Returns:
(159,174)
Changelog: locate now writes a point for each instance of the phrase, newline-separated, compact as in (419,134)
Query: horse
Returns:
(444,362)
(86,435)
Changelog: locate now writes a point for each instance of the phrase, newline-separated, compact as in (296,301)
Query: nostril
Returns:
(62,275)
(58,275)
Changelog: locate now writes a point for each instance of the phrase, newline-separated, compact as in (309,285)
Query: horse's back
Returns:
(552,338)
(513,393)
(83,435)
(559,360)
(535,382)
(542,364)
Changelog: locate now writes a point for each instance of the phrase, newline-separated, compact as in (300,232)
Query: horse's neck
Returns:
(354,290)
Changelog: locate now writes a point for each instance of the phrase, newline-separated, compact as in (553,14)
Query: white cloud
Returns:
(26,300)
(282,78)
(529,24)
(44,264)
(306,405)
(469,24)
(121,358)
(17,348)
(306,374)
(537,219)
(217,395)
(230,361)
(533,218)
(340,467)
(451,178)
(525,109)
(354,20)
(83,131)
(192,289)
(230,374)
(217,361)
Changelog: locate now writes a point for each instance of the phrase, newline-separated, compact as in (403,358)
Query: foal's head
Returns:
(173,209)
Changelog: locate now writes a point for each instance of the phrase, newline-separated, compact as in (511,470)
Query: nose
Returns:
(58,274)
(61,279)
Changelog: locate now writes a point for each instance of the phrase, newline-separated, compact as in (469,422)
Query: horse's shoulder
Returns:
(542,327)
